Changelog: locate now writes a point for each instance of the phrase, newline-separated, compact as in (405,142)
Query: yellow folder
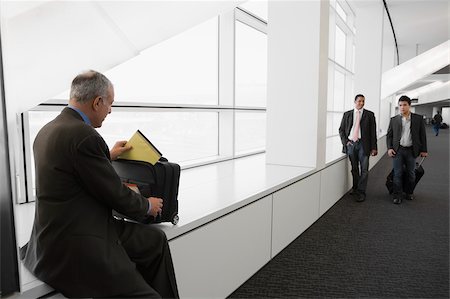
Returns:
(142,149)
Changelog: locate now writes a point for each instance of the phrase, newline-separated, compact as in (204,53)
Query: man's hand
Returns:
(391,152)
(374,153)
(156,204)
(119,148)
(423,154)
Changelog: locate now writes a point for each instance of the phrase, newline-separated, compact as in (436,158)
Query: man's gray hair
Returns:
(89,85)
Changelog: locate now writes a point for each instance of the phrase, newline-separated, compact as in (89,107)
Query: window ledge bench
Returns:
(236,215)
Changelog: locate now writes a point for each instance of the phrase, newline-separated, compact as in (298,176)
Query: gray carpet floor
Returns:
(373,249)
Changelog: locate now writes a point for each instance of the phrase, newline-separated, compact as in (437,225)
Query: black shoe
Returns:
(397,200)
(353,192)
(409,196)
(360,197)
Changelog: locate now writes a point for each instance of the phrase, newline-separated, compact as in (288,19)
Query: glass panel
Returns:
(339,47)
(330,91)
(350,92)
(339,91)
(333,122)
(353,57)
(332,33)
(250,66)
(341,12)
(180,136)
(257,8)
(329,124)
(334,149)
(337,118)
(250,131)
(180,70)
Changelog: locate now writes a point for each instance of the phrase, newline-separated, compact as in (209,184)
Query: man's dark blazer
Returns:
(74,246)
(368,130)
(418,134)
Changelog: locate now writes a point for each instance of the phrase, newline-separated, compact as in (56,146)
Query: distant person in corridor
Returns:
(76,245)
(359,141)
(406,140)
(437,121)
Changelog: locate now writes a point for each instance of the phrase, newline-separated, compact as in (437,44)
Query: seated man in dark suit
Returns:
(76,245)
(406,139)
(359,140)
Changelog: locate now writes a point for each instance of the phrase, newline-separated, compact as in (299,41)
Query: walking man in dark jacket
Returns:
(406,140)
(437,120)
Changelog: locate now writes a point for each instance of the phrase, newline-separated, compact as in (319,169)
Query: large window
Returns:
(251,66)
(340,73)
(170,92)
(250,132)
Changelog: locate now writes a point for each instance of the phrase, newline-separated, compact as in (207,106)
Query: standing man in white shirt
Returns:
(359,140)
(406,140)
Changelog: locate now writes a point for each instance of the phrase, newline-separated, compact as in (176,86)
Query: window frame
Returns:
(348,69)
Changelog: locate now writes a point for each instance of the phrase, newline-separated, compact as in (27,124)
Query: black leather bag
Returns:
(159,180)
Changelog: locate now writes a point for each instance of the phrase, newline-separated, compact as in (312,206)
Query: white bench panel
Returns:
(213,260)
(295,208)
(334,184)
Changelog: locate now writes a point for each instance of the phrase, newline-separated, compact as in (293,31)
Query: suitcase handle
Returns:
(421,161)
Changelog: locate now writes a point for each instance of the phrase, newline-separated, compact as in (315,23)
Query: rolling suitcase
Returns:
(159,180)
(419,174)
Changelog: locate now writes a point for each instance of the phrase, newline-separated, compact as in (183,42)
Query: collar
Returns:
(406,117)
(82,114)
(355,110)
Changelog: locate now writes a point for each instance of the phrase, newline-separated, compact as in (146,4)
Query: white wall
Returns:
(389,57)
(408,52)
(425,110)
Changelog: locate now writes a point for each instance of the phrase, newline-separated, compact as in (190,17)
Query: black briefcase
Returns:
(419,174)
(159,180)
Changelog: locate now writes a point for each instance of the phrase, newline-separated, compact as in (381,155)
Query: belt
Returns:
(406,147)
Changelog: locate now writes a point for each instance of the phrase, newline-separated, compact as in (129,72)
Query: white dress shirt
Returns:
(406,139)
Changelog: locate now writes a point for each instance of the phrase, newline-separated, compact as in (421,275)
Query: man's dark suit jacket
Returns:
(418,134)
(74,246)
(368,130)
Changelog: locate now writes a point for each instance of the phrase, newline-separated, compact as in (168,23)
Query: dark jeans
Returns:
(360,166)
(404,159)
(436,128)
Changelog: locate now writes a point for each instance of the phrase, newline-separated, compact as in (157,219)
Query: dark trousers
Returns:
(148,248)
(404,159)
(360,166)
(436,128)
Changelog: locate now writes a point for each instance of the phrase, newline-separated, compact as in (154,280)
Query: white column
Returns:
(369,49)
(297,82)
